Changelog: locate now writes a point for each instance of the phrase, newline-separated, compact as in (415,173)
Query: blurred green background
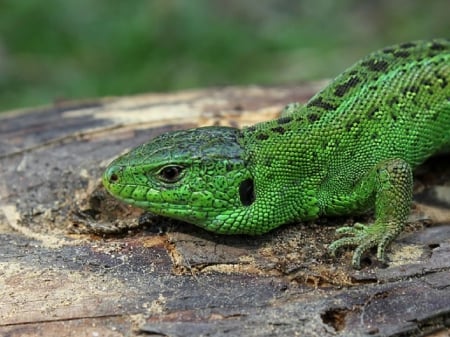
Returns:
(52,50)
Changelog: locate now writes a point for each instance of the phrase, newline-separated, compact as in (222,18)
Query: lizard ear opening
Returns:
(247,192)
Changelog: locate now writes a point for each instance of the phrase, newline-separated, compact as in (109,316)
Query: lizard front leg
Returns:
(391,184)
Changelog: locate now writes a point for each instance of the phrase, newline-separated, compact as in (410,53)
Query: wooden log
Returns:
(75,261)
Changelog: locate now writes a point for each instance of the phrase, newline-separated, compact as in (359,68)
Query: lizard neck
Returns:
(283,163)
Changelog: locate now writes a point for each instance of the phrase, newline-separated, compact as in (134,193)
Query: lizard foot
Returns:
(364,238)
(390,183)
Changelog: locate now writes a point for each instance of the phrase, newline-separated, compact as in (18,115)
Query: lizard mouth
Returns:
(183,212)
(164,207)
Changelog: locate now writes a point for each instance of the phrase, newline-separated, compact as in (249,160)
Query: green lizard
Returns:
(350,149)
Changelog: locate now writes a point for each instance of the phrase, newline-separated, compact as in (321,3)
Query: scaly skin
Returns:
(350,149)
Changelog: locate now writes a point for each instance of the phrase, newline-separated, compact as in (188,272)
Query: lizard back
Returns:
(395,103)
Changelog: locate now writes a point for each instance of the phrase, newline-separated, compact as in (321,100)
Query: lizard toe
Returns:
(360,250)
(358,229)
(341,243)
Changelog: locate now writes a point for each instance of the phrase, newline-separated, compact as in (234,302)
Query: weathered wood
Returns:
(74,260)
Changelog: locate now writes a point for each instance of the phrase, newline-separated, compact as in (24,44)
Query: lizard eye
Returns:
(171,173)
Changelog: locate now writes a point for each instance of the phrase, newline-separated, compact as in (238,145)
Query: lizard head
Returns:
(198,176)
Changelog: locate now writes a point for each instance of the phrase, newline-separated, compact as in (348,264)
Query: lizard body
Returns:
(350,149)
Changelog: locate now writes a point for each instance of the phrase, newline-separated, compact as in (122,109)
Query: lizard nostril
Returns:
(112,174)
